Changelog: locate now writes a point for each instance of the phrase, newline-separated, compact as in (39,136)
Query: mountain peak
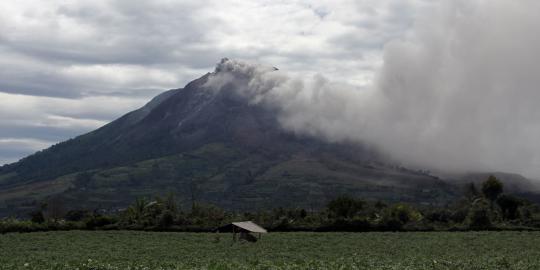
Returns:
(241,67)
(214,137)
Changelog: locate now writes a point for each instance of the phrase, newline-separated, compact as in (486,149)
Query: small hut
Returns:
(244,229)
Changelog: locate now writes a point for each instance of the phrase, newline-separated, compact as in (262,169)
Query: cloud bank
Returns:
(459,92)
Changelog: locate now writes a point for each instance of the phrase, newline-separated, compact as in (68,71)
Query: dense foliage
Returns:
(489,209)
(300,250)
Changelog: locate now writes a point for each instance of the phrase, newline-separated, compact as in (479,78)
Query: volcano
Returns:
(210,146)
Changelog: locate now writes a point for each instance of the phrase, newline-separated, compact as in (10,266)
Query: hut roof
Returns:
(250,226)
(246,225)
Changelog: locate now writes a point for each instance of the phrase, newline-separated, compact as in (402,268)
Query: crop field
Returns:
(154,250)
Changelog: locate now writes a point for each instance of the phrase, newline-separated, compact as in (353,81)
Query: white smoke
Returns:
(458,93)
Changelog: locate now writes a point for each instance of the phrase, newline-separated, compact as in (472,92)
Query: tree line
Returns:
(485,207)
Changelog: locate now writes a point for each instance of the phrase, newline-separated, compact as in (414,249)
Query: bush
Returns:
(398,215)
(439,215)
(93,222)
(14,225)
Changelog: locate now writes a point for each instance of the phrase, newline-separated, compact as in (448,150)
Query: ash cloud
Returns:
(459,92)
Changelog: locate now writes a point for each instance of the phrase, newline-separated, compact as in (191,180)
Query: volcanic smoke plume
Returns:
(459,92)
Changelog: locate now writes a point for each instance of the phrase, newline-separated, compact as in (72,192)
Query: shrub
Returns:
(398,215)
(93,222)
(37,217)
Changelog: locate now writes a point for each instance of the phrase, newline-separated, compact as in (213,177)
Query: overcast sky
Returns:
(68,67)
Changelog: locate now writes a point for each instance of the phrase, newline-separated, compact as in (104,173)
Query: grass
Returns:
(146,250)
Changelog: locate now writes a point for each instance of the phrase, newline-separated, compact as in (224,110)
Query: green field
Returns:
(146,250)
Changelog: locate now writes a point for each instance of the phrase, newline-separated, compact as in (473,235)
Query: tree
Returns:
(303,213)
(509,206)
(479,215)
(136,211)
(170,203)
(471,191)
(166,219)
(492,188)
(439,215)
(37,216)
(396,216)
(344,207)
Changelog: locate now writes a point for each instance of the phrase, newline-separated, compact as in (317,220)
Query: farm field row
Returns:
(155,250)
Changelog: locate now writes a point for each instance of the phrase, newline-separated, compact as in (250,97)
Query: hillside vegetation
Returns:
(483,208)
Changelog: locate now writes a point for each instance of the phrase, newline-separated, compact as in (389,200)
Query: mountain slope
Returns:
(211,146)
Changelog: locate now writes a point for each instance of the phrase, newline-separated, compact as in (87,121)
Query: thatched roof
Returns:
(244,225)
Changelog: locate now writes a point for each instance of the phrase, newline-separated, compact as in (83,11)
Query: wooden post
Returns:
(259,236)
(233,234)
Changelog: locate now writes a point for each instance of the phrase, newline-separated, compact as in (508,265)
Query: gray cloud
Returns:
(457,93)
(461,89)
